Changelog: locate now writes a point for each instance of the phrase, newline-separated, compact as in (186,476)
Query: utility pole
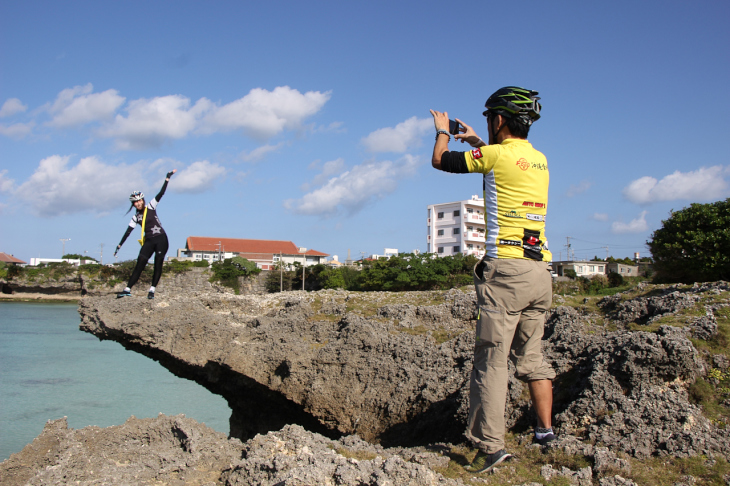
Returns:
(606,248)
(101,255)
(568,247)
(63,243)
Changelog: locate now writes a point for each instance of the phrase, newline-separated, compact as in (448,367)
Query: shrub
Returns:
(615,279)
(228,271)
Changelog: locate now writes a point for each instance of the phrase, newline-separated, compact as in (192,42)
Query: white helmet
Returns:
(136,196)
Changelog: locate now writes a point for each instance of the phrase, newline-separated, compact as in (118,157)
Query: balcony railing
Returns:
(476,253)
(474,236)
(473,218)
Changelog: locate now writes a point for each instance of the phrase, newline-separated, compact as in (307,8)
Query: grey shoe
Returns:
(483,462)
(547,439)
(124,293)
(150,295)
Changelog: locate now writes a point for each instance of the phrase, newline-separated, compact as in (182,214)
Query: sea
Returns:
(49,369)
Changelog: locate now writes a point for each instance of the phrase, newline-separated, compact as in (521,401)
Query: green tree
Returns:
(693,245)
(228,271)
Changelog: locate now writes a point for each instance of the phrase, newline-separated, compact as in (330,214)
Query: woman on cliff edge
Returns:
(154,238)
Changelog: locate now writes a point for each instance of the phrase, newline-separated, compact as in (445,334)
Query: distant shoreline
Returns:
(39,297)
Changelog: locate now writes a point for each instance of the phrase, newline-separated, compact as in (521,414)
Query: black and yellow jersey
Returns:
(516,180)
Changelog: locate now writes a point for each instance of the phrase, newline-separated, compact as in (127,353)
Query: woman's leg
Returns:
(144,256)
(161,247)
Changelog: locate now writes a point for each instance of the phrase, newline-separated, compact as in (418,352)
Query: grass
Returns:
(525,467)
(357,455)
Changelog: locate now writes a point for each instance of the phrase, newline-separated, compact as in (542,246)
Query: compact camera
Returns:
(454,127)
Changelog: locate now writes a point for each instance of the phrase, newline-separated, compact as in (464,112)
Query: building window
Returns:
(591,268)
(470,246)
(469,210)
(456,213)
(441,249)
(441,232)
(622,270)
(456,231)
(457,249)
(470,228)
(600,268)
(441,215)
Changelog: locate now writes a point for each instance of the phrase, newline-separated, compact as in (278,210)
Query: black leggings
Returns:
(157,245)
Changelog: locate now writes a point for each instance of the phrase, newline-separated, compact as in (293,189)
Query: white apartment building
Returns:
(456,227)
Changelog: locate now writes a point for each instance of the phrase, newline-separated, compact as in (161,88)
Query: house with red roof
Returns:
(265,253)
(10,259)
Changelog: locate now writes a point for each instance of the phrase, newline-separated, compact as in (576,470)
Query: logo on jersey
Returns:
(510,242)
(523,164)
(512,214)
(476,153)
(535,217)
(534,204)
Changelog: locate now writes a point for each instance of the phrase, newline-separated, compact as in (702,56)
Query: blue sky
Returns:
(309,121)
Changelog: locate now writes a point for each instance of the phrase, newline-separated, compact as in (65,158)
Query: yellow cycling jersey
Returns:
(516,180)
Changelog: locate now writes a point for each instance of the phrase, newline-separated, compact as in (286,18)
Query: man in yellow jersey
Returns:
(513,284)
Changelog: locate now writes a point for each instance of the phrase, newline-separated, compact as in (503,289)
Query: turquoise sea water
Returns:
(50,369)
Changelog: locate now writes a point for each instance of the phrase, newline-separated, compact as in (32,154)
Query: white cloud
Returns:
(196,178)
(399,138)
(637,225)
(259,152)
(11,107)
(600,216)
(55,189)
(16,130)
(151,122)
(263,114)
(329,169)
(353,189)
(703,184)
(6,184)
(78,106)
(581,187)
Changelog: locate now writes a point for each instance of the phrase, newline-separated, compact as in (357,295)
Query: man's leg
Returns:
(541,392)
(487,397)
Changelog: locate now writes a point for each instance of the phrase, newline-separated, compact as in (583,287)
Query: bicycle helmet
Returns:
(136,196)
(514,102)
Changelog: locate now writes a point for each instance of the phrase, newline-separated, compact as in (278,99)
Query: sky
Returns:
(309,121)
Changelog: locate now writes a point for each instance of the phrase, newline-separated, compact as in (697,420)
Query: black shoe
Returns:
(483,462)
(546,440)
(124,293)
(150,295)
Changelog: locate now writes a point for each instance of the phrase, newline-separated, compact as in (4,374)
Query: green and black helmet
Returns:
(514,102)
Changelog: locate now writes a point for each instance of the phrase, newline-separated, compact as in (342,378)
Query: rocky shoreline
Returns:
(337,387)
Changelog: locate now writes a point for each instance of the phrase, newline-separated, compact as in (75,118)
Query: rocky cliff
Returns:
(393,369)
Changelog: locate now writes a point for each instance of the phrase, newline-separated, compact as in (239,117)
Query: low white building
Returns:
(581,268)
(34,262)
(456,227)
(265,253)
(387,253)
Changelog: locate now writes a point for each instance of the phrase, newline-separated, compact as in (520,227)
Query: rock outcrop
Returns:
(393,368)
(379,371)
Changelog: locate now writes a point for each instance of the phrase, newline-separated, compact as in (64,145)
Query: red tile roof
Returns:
(4,257)
(256,248)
